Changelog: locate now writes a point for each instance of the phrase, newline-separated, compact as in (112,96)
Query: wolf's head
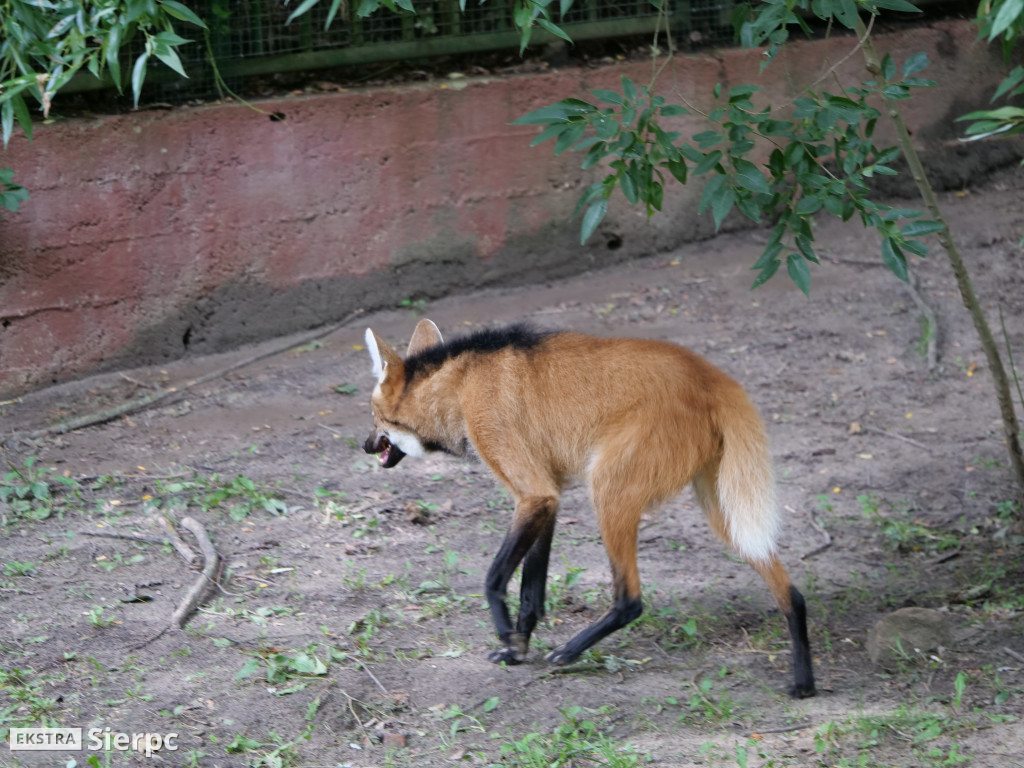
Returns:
(391,439)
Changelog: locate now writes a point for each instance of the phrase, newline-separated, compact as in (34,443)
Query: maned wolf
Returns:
(637,420)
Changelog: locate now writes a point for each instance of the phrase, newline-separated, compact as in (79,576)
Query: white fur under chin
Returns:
(407,442)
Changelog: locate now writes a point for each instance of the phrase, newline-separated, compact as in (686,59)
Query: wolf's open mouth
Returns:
(390,454)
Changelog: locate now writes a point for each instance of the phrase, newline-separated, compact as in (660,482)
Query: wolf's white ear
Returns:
(426,335)
(375,356)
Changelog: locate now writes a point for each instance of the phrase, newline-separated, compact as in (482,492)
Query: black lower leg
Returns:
(625,610)
(532,531)
(504,565)
(803,674)
(534,582)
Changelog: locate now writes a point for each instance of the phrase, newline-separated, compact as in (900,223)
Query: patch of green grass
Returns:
(110,563)
(239,496)
(559,587)
(577,740)
(709,703)
(362,632)
(927,738)
(17,568)
(677,626)
(416,306)
(275,752)
(23,703)
(282,667)
(28,491)
(902,533)
(98,617)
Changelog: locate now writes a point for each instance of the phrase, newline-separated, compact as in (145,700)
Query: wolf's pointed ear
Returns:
(385,360)
(425,336)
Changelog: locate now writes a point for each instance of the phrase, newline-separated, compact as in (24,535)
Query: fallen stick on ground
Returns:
(187,553)
(373,677)
(197,592)
(211,561)
(172,537)
(1013,653)
(894,436)
(128,535)
(782,729)
(820,529)
(141,403)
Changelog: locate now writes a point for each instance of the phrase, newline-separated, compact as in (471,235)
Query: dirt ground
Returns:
(348,626)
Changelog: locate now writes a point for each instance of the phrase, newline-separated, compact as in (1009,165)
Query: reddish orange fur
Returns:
(639,420)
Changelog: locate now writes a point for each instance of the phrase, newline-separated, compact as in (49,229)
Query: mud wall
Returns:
(160,233)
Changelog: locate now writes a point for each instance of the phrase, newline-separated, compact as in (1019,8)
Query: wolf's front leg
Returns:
(530,538)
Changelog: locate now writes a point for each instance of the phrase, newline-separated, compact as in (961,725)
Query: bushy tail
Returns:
(745,484)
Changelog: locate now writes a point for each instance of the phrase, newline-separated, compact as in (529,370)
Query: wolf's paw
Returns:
(562,656)
(802,691)
(506,656)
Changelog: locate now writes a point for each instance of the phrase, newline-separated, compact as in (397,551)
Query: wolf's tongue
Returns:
(384,455)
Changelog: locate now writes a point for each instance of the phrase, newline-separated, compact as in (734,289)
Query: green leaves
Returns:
(46,43)
(304,6)
(921,228)
(749,177)
(915,63)
(1005,121)
(594,215)
(624,130)
(563,112)
(11,195)
(1002,18)
(179,11)
(894,259)
(822,159)
(799,273)
(139,76)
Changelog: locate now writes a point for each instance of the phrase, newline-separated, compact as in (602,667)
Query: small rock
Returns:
(919,630)
(416,513)
(393,740)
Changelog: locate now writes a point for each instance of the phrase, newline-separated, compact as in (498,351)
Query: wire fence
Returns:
(252,37)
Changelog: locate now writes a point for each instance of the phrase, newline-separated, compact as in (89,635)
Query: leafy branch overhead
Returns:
(46,42)
(820,154)
(1001,20)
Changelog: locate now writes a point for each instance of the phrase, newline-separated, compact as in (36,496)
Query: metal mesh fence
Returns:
(251,37)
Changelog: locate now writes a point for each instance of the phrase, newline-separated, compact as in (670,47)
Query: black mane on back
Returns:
(520,336)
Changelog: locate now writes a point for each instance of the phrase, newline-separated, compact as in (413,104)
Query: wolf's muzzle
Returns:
(387,453)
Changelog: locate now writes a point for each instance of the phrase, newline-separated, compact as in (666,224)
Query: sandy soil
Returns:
(348,625)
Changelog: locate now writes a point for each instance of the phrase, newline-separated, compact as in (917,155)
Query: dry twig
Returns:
(211,561)
(782,729)
(1009,651)
(197,592)
(142,403)
(127,535)
(816,524)
(898,437)
(187,553)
